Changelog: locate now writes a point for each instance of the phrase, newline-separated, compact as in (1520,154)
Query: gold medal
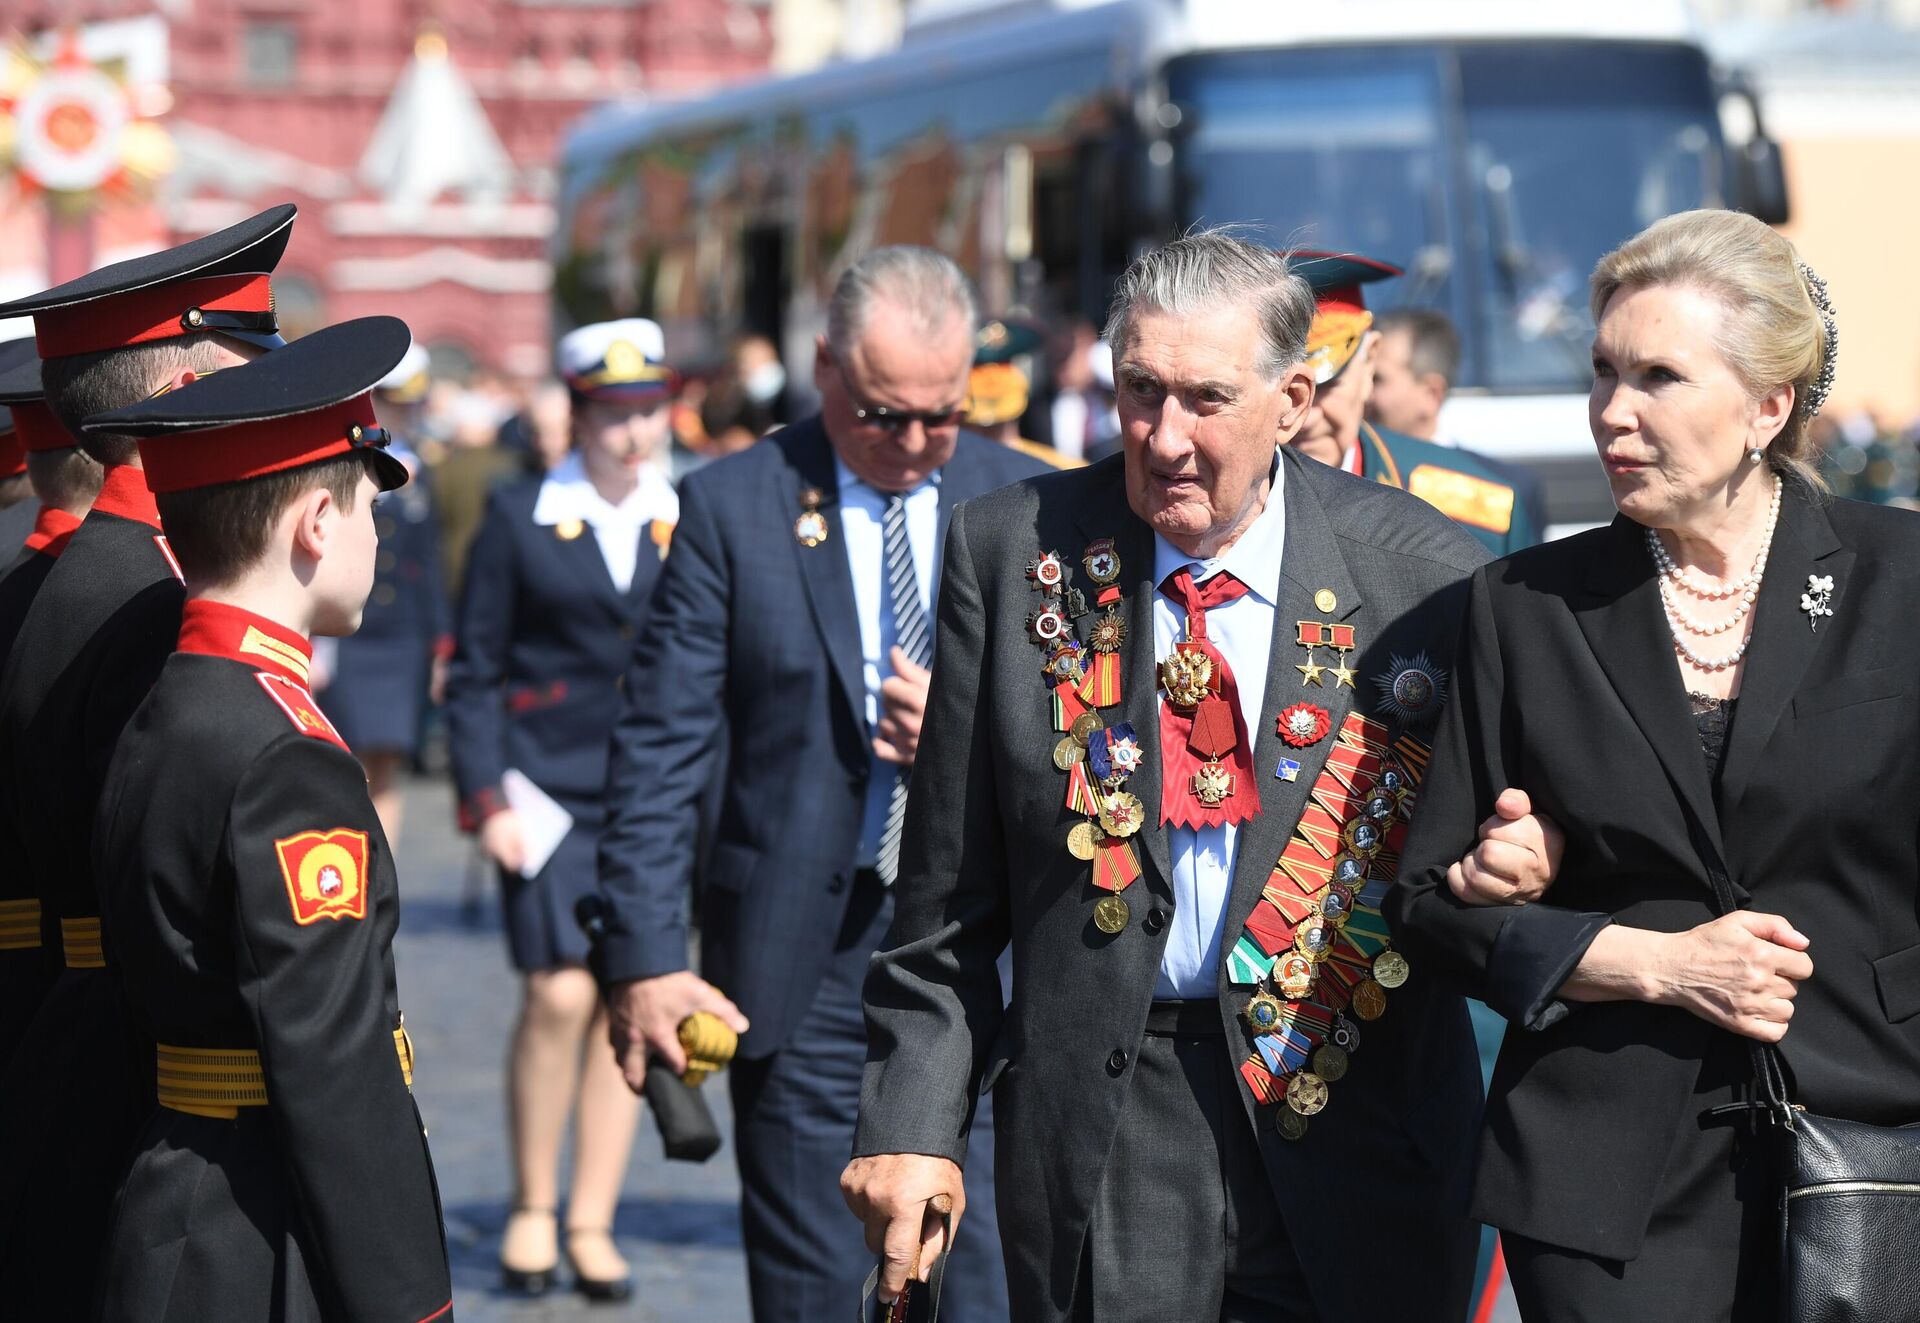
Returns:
(1369,1000)
(1083,842)
(1324,601)
(1212,784)
(1121,813)
(1290,1123)
(1330,1063)
(1083,727)
(810,529)
(1306,1093)
(1314,938)
(1184,675)
(1390,969)
(1111,915)
(1109,632)
(568,529)
(1293,975)
(1066,753)
(1263,1013)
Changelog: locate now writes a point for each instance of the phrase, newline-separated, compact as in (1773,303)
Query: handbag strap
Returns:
(1769,1071)
(897,1312)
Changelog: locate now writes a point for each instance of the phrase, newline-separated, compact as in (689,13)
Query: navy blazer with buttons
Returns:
(541,648)
(755,632)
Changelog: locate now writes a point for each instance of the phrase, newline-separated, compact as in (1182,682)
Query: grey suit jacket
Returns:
(1381,1176)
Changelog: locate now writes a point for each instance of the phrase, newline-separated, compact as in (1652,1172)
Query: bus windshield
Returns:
(1495,174)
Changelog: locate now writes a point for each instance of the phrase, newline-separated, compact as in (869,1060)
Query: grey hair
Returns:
(926,284)
(1211,268)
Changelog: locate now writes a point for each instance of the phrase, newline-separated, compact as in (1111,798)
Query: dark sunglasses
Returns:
(897,421)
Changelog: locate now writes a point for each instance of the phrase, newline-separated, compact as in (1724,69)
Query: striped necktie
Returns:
(911,633)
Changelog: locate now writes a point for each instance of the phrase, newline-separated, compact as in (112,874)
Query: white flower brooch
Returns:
(1816,601)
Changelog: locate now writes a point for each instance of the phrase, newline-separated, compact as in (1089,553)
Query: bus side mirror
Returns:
(1760,181)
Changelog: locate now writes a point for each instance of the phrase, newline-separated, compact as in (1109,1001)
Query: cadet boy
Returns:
(88,650)
(251,891)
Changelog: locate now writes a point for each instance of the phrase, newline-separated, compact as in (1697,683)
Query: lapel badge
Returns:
(1817,601)
(1413,688)
(1303,724)
(1325,602)
(1047,625)
(1287,770)
(1046,572)
(1313,634)
(1101,561)
(568,529)
(810,529)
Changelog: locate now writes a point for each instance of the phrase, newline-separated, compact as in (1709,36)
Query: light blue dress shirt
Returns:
(861,510)
(1243,632)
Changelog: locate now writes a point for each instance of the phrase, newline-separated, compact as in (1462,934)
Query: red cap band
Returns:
(1341,298)
(159,312)
(34,423)
(214,455)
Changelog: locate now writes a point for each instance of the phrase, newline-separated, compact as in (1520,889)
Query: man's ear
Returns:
(822,362)
(186,376)
(313,523)
(1297,387)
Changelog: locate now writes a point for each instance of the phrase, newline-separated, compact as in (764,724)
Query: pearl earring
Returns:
(1757,454)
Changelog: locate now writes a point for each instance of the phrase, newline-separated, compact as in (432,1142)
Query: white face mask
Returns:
(765,383)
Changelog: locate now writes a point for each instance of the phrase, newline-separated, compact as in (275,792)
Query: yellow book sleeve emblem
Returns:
(1463,497)
(326,874)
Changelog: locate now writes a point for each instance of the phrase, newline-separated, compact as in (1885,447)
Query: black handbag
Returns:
(1849,1192)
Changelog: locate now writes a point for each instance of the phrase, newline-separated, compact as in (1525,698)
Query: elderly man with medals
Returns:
(1176,733)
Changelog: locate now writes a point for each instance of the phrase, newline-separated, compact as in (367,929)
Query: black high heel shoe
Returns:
(598,1290)
(527,1281)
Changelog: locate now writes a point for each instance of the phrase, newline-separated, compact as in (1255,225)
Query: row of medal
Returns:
(1316,948)
(1098,759)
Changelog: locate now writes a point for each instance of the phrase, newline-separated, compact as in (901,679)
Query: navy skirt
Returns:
(541,930)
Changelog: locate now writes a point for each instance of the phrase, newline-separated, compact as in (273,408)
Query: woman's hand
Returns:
(505,842)
(1517,857)
(1739,972)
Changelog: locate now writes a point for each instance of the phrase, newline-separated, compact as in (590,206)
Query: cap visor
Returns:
(389,472)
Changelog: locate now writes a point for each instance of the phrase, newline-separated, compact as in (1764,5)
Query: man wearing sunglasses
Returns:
(101,626)
(791,633)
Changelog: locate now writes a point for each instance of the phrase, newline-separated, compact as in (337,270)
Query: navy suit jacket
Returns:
(540,653)
(754,634)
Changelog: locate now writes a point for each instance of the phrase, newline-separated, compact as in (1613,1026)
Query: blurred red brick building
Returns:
(417,136)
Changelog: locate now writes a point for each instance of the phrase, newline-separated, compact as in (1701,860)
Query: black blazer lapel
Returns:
(582,557)
(824,571)
(1627,632)
(1310,562)
(1783,643)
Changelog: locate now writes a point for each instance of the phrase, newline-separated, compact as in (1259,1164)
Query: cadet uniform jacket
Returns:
(245,870)
(1497,503)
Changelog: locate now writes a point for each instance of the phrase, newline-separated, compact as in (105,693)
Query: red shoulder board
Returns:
(301,710)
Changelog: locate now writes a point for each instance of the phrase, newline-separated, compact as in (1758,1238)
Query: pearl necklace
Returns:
(1748,590)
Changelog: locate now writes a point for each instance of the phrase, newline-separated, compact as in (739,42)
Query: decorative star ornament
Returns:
(1817,600)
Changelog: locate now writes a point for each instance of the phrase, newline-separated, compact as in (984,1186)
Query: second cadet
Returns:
(555,585)
(1340,350)
(285,1174)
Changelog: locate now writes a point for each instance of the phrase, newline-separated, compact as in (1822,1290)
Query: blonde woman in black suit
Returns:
(1729,662)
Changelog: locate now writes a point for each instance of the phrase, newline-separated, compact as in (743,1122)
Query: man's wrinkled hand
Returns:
(644,1015)
(903,703)
(1517,857)
(897,1197)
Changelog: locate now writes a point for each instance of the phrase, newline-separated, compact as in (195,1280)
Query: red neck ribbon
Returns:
(1215,730)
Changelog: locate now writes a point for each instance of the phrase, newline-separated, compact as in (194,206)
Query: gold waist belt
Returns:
(81,940)
(19,925)
(219,1081)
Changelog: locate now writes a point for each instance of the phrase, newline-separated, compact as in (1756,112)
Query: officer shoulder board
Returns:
(1479,502)
(301,710)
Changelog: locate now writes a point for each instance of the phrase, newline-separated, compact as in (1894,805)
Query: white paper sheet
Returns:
(543,823)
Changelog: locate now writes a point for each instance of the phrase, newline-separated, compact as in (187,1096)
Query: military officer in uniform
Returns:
(998,391)
(1341,346)
(65,480)
(380,679)
(556,583)
(98,631)
(285,1174)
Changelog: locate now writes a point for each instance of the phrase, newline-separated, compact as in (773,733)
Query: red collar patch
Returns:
(215,629)
(52,530)
(124,493)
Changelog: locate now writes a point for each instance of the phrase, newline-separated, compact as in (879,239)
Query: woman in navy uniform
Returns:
(555,585)
(379,680)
